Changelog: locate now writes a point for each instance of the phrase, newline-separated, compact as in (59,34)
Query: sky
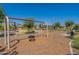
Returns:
(47,12)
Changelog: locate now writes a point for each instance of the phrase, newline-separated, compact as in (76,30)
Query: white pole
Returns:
(5,34)
(8,37)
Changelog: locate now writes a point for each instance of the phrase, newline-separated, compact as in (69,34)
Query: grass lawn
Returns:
(76,43)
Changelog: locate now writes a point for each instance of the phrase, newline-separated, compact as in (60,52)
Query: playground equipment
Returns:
(7,31)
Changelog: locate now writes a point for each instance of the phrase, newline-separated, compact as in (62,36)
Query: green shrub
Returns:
(1,27)
(77,30)
(76,27)
(75,43)
(33,31)
(11,27)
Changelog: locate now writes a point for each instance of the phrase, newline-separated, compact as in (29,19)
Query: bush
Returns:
(76,27)
(1,27)
(76,43)
(31,32)
(11,27)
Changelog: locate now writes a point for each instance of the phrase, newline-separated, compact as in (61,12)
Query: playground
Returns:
(33,36)
(41,42)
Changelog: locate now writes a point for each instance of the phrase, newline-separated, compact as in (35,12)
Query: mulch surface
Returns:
(55,44)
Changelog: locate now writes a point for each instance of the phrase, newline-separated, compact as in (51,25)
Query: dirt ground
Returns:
(55,44)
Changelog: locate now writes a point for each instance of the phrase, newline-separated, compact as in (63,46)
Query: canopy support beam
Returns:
(8,37)
(5,33)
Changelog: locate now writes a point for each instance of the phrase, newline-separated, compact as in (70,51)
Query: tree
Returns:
(69,23)
(29,24)
(56,25)
(2,15)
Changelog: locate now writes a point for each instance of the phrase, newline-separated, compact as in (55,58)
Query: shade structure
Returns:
(6,24)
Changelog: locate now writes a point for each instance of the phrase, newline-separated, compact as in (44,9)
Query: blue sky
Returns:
(50,12)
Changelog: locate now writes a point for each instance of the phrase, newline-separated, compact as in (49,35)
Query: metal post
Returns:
(5,34)
(8,37)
